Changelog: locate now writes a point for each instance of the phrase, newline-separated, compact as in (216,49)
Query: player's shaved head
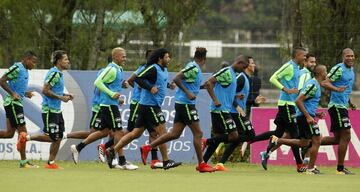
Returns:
(319,69)
(347,51)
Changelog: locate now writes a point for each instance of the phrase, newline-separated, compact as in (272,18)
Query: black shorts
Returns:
(339,119)
(306,130)
(95,121)
(134,109)
(149,117)
(222,123)
(186,114)
(53,125)
(110,118)
(285,121)
(15,114)
(243,126)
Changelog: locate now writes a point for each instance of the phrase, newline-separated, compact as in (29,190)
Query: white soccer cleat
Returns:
(75,154)
(101,152)
(126,166)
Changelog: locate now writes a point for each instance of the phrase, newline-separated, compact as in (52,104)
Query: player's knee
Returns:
(175,135)
(233,136)
(316,142)
(346,138)
(153,134)
(135,134)
(8,135)
(198,134)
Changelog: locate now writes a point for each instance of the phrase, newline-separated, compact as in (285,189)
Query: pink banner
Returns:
(263,120)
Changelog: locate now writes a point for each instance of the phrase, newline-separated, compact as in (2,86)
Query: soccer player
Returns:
(305,75)
(109,83)
(153,80)
(222,89)
(244,127)
(134,108)
(307,102)
(188,80)
(287,80)
(340,81)
(53,91)
(15,82)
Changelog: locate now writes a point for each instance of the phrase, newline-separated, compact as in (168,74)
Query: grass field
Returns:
(93,176)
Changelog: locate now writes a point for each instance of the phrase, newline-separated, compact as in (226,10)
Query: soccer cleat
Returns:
(220,167)
(203,144)
(170,164)
(272,142)
(301,168)
(264,158)
(52,166)
(110,154)
(144,150)
(21,141)
(28,165)
(156,164)
(126,166)
(101,152)
(74,153)
(345,172)
(204,167)
(313,171)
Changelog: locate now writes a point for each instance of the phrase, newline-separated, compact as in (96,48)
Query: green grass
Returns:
(93,176)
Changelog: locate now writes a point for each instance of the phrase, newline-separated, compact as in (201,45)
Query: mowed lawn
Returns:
(93,176)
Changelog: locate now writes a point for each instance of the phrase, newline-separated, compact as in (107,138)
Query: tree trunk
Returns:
(297,30)
(95,47)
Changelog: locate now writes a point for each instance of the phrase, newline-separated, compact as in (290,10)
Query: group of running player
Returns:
(228,89)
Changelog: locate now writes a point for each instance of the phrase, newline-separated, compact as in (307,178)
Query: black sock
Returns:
(217,139)
(296,153)
(340,167)
(154,154)
(229,150)
(210,151)
(109,143)
(122,160)
(80,146)
(263,136)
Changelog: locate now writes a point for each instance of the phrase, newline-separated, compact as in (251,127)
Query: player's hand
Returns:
(260,99)
(341,89)
(217,103)
(291,91)
(240,96)
(191,96)
(310,120)
(172,85)
(116,96)
(352,106)
(65,98)
(125,84)
(320,115)
(29,94)
(121,102)
(15,96)
(242,113)
(154,90)
(70,95)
